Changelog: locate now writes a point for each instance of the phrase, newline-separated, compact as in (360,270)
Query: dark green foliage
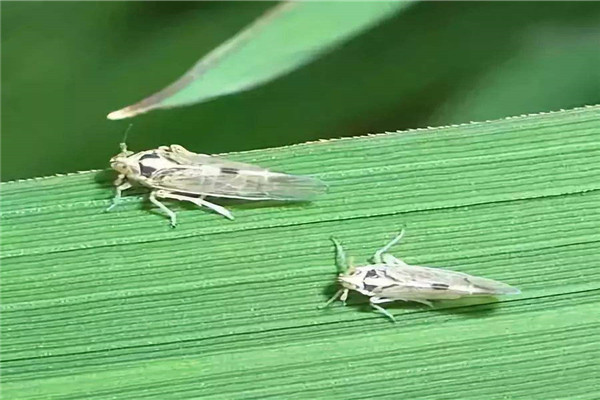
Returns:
(66,65)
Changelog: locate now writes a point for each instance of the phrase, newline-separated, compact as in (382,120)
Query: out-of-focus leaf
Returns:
(286,37)
(547,69)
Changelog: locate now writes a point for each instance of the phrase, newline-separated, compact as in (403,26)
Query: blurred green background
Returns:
(65,65)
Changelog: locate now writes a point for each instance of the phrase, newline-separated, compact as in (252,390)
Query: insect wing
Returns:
(214,176)
(440,283)
(225,181)
(490,286)
(183,157)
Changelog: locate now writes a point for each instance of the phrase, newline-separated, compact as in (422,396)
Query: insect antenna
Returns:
(123,144)
(351,268)
(332,299)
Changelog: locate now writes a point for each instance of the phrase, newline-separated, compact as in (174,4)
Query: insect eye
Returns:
(119,166)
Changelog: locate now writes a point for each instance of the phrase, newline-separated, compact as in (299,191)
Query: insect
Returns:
(389,279)
(172,172)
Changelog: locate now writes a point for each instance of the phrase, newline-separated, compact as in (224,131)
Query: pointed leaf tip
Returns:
(274,44)
(119,114)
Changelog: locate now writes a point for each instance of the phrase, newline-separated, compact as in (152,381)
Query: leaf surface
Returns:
(118,305)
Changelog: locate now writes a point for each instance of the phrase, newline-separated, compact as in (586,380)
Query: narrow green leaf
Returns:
(285,38)
(118,305)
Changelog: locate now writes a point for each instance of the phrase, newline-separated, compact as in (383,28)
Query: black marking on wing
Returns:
(439,286)
(146,170)
(371,274)
(230,171)
(369,288)
(149,155)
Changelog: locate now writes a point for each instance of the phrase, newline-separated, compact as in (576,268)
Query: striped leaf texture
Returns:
(118,305)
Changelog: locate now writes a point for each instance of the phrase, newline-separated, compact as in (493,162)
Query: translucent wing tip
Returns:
(508,290)
(297,187)
(490,286)
(316,186)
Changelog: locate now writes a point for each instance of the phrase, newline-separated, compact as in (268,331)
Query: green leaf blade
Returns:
(98,305)
(285,38)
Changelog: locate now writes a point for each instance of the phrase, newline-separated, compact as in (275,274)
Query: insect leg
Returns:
(216,208)
(120,179)
(379,309)
(340,256)
(121,184)
(164,208)
(334,297)
(379,300)
(197,201)
(344,296)
(386,300)
(377,257)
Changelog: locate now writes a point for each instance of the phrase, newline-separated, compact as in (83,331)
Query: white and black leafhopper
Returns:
(172,172)
(389,279)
